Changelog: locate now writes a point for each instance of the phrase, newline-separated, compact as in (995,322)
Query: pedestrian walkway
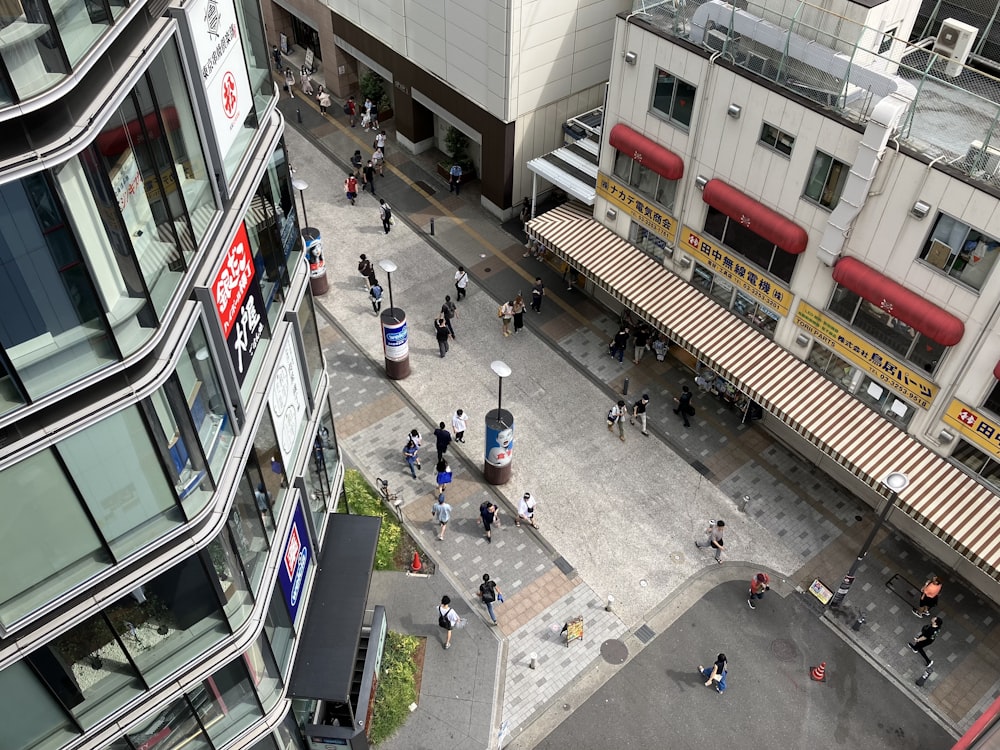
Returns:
(616,519)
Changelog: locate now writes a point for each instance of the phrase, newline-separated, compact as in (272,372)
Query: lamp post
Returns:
(395,338)
(895,483)
(313,242)
(499,434)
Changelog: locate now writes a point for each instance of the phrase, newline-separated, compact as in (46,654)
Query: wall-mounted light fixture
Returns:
(920,209)
(612,214)
(802,339)
(684,262)
(700,181)
(734,111)
(945,436)
(631,58)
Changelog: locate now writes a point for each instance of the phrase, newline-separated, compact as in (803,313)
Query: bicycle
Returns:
(392,498)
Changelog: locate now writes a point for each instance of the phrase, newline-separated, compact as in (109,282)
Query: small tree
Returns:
(373,87)
(456,142)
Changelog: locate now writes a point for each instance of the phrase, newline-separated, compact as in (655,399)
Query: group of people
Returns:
(369,113)
(365,171)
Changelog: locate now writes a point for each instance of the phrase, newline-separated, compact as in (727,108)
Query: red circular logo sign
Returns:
(229,97)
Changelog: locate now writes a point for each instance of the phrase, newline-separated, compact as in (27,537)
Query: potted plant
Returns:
(373,87)
(456,143)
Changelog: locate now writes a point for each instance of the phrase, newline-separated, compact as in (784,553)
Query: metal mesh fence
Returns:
(847,67)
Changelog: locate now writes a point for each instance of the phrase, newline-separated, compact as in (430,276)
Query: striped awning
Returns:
(942,498)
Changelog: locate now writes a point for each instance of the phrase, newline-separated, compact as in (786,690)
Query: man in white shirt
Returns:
(461,281)
(458,424)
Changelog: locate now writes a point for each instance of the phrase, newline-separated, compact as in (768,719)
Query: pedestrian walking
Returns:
(448,619)
(367,112)
(640,340)
(368,175)
(618,344)
(323,99)
(928,597)
(444,476)
(490,593)
(410,453)
(459,422)
(506,314)
(489,514)
(376,294)
(442,439)
(759,584)
(351,188)
(714,539)
(616,416)
(380,141)
(417,439)
(366,269)
(306,83)
(351,110)
(526,510)
(455,179)
(537,292)
(290,83)
(449,310)
(461,282)
(525,215)
(441,512)
(684,407)
(518,309)
(378,161)
(639,412)
(385,214)
(357,164)
(715,676)
(928,633)
(441,333)
(276,55)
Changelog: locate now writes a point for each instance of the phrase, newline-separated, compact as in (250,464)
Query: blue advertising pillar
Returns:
(497,464)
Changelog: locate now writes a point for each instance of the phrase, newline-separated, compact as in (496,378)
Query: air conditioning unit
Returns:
(717,40)
(756,63)
(954,43)
(982,162)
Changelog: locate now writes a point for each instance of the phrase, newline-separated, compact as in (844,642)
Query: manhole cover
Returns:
(614,651)
(487,269)
(425,187)
(784,650)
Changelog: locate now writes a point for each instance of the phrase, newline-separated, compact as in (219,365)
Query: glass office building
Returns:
(166,440)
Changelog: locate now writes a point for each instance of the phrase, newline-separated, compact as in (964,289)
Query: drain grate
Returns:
(425,187)
(645,634)
(564,566)
(784,650)
(701,468)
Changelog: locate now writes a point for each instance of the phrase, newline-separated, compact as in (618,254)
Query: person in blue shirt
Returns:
(455,183)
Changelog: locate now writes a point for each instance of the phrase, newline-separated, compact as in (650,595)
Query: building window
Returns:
(759,316)
(30,716)
(826,180)
(777,140)
(892,333)
(960,251)
(992,401)
(322,469)
(980,464)
(645,181)
(251,522)
(887,38)
(226,702)
(310,340)
(648,241)
(764,254)
(868,391)
(673,98)
(172,728)
(278,628)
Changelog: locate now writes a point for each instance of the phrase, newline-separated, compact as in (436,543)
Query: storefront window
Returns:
(88,671)
(80,24)
(310,341)
(322,469)
(32,57)
(980,464)
(269,458)
(173,728)
(30,717)
(226,702)
(173,422)
(289,736)
(134,504)
(962,252)
(263,222)
(237,602)
(169,620)
(764,254)
(647,241)
(757,315)
(264,673)
(10,394)
(255,51)
(281,184)
(52,544)
(278,628)
(867,390)
(51,325)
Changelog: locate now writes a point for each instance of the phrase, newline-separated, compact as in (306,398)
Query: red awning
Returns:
(996,370)
(755,216)
(909,307)
(648,153)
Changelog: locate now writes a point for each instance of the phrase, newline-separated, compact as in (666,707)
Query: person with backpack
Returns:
(616,416)
(449,309)
(376,294)
(489,593)
(759,584)
(448,619)
(385,213)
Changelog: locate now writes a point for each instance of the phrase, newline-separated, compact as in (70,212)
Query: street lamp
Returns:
(499,434)
(313,241)
(895,483)
(388,266)
(301,185)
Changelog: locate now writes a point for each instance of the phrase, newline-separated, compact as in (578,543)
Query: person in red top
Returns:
(351,110)
(928,597)
(351,188)
(758,585)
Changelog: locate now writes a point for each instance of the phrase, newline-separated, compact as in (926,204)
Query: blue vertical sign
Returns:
(295,561)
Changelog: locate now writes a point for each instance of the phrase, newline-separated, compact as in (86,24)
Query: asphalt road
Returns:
(658,700)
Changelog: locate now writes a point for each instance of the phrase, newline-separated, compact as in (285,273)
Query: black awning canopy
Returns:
(328,646)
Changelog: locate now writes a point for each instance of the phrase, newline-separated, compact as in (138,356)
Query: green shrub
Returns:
(397,686)
(362,500)
(373,87)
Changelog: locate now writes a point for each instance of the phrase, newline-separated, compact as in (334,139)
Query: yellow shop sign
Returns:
(642,210)
(975,427)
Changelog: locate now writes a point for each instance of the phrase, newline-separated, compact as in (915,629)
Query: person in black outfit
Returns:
(618,344)
(927,635)
(441,333)
(684,405)
(639,412)
(369,175)
(443,438)
(640,340)
(356,163)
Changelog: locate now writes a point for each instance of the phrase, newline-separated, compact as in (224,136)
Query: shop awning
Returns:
(901,303)
(572,168)
(755,216)
(648,153)
(945,500)
(996,370)
(328,649)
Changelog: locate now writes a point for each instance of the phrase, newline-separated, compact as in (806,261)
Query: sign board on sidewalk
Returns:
(818,589)
(573,630)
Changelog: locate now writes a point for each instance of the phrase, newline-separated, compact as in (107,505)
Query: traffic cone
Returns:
(818,673)
(415,566)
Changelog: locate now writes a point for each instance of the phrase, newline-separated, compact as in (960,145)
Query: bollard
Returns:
(859,622)
(924,676)
(432,227)
(533,661)
(610,605)
(743,503)
(298,115)
(625,387)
